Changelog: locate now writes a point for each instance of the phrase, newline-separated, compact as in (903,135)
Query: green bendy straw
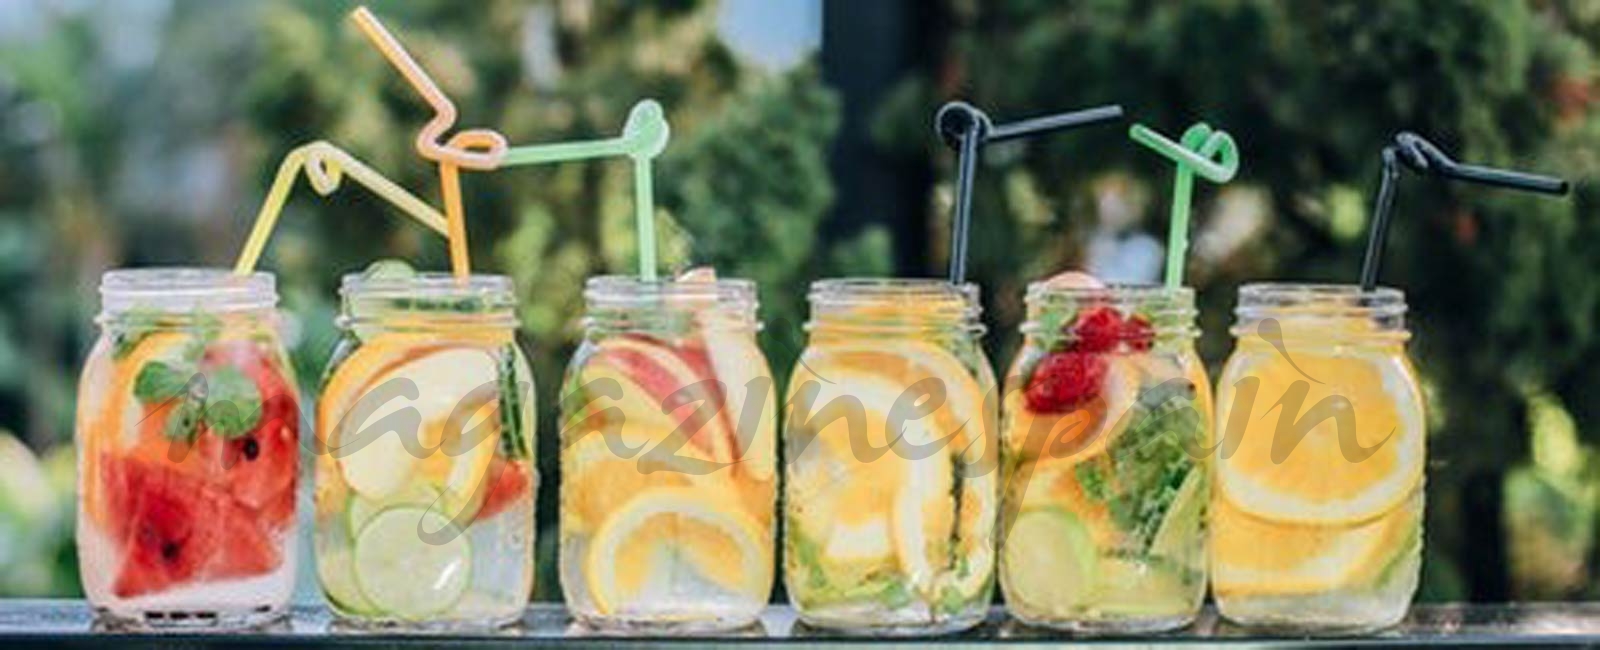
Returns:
(644,136)
(1200,144)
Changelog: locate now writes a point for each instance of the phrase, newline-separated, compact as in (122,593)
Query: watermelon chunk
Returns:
(177,528)
(507,482)
(259,468)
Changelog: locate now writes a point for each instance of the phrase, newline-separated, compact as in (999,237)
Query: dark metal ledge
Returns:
(70,623)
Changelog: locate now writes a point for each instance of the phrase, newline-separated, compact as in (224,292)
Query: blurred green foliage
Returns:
(116,151)
(1502,287)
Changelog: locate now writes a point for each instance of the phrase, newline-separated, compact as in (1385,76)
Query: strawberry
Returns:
(1138,332)
(1098,330)
(1064,381)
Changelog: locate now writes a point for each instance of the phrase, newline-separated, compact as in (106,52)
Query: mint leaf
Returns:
(233,403)
(134,325)
(158,382)
(183,421)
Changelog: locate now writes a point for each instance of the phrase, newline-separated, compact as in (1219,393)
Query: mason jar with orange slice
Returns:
(188,428)
(891,471)
(668,458)
(425,475)
(1317,512)
(1106,420)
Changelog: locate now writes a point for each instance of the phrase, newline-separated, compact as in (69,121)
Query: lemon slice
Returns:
(405,573)
(597,481)
(1251,556)
(1314,481)
(638,556)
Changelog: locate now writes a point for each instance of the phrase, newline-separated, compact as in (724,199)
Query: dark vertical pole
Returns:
(868,48)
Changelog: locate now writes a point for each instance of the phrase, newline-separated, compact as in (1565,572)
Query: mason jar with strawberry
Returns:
(1106,418)
(188,451)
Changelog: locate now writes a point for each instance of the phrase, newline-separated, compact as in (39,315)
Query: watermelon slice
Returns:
(177,528)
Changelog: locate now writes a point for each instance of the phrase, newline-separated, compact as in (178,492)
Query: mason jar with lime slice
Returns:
(1106,418)
(1317,516)
(891,460)
(424,459)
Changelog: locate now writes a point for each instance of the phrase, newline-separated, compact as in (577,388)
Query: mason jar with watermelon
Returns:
(424,505)
(187,440)
(668,461)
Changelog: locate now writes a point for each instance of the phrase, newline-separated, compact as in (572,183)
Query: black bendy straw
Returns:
(1424,157)
(966,129)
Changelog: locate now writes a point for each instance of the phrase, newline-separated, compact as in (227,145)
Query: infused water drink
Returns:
(669,470)
(891,485)
(188,451)
(425,474)
(1317,513)
(1107,479)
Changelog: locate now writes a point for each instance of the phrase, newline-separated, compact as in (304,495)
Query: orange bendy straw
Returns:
(475,149)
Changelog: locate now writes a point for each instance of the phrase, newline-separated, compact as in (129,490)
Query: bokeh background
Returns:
(144,132)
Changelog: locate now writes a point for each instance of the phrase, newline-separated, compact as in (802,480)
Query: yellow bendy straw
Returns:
(326,166)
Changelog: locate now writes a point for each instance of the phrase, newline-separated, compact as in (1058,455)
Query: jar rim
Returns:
(1309,305)
(1042,289)
(630,289)
(1310,291)
(428,284)
(880,288)
(179,289)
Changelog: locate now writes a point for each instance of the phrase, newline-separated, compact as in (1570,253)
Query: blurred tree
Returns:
(1500,287)
(224,90)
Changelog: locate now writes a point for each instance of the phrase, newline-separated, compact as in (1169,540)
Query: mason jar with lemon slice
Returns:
(668,458)
(1317,513)
(1107,418)
(891,471)
(424,463)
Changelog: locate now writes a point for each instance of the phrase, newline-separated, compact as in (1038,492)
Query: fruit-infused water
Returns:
(424,470)
(668,469)
(892,485)
(1106,418)
(1317,512)
(188,451)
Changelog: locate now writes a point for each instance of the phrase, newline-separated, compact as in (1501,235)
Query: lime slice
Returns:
(1050,562)
(337,574)
(401,573)
(1181,536)
(361,509)
(1134,589)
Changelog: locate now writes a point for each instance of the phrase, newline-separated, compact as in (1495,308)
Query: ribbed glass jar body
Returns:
(1106,421)
(668,461)
(188,451)
(1317,515)
(425,472)
(891,473)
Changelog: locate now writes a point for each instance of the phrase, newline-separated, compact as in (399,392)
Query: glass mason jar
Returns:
(188,451)
(891,488)
(425,475)
(1107,417)
(1317,516)
(668,468)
